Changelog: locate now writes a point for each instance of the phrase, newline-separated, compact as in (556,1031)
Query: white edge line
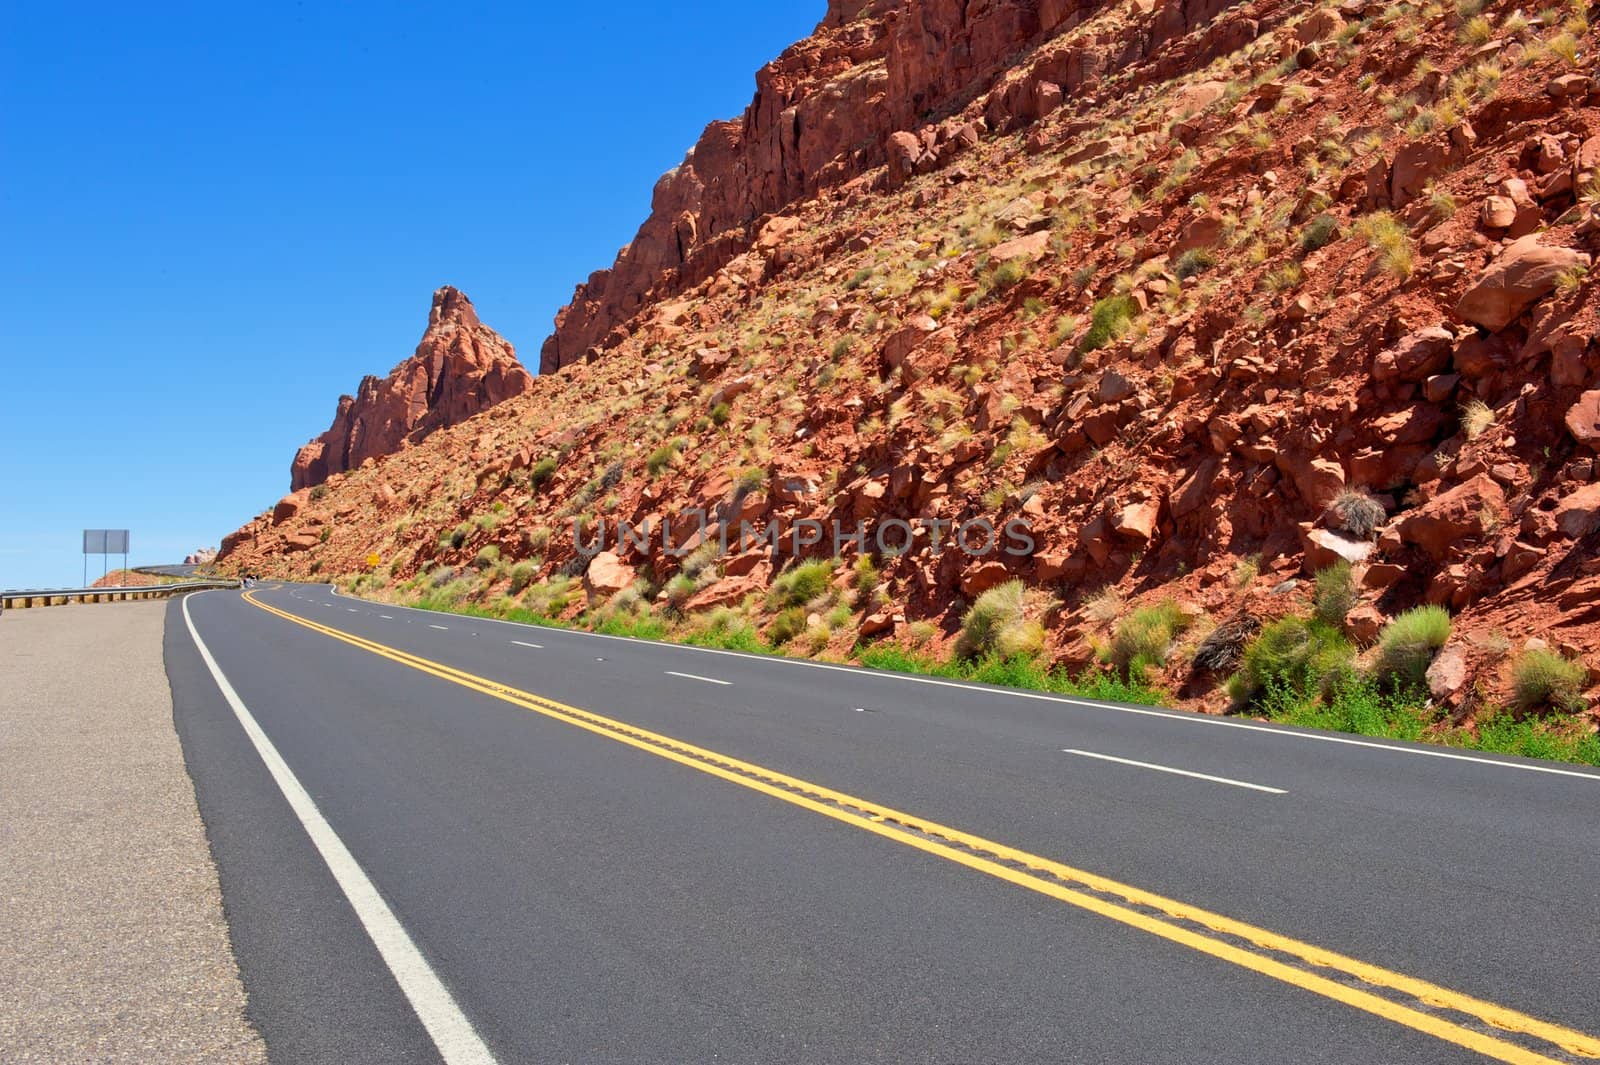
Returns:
(1183,717)
(1177,772)
(535,646)
(696,676)
(452,1033)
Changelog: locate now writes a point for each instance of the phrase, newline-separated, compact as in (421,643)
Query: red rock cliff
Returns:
(860,92)
(461,367)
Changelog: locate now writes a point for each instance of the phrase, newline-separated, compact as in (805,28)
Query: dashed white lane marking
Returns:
(535,646)
(351,609)
(696,676)
(1177,716)
(1177,772)
(441,628)
(387,617)
(457,1041)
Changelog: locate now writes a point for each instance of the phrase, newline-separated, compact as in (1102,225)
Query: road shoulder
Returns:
(113,944)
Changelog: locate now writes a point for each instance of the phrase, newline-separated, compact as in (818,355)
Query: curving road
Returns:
(449,839)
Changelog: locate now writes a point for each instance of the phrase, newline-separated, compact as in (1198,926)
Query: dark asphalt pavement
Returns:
(587,901)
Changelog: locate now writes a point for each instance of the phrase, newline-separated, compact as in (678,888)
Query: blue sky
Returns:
(215,218)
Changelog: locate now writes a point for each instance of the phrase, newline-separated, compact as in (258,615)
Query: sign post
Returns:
(105,543)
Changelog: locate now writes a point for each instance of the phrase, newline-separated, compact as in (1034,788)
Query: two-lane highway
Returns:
(451,838)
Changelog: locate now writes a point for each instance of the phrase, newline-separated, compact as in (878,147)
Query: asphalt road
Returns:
(535,845)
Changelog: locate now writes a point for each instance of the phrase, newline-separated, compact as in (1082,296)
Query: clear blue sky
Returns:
(215,218)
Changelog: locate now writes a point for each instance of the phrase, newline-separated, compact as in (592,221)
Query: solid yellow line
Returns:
(776,784)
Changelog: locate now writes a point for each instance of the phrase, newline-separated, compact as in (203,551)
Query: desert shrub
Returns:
(1357,513)
(319,493)
(1223,648)
(1291,657)
(486,522)
(542,471)
(1319,233)
(727,628)
(1286,277)
(1104,606)
(1335,594)
(995,621)
(1541,678)
(1025,638)
(549,599)
(1108,321)
(1388,235)
(487,556)
(325,534)
(750,479)
(1476,418)
(721,413)
(1008,274)
(802,583)
(522,575)
(1144,637)
(1408,643)
(789,623)
(1192,263)
(680,589)
(867,575)
(662,456)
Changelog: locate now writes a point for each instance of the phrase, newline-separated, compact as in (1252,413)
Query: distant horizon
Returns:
(237,217)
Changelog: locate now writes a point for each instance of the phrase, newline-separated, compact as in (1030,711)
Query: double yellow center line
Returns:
(1491,1030)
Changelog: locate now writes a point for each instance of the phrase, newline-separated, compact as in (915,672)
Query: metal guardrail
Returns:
(30,598)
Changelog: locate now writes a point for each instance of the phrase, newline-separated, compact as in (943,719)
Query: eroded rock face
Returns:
(1520,276)
(907,83)
(460,368)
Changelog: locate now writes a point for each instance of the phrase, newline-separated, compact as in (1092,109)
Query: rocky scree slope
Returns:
(1215,296)
(460,368)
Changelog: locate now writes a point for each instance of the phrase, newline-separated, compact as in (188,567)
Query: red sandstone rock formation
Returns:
(836,105)
(461,367)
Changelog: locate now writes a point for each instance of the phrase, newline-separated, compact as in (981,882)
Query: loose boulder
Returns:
(1524,273)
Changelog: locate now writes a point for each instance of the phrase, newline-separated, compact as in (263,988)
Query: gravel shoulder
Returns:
(113,945)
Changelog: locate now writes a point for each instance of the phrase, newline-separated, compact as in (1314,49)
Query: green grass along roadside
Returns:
(1344,702)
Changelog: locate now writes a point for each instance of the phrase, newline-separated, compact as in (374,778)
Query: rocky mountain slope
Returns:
(1212,296)
(461,368)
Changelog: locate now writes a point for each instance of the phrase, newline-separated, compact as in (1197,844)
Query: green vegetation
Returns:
(1319,233)
(801,583)
(1008,274)
(522,575)
(750,479)
(996,620)
(319,493)
(1388,235)
(789,623)
(662,456)
(1543,679)
(1292,659)
(1408,643)
(1335,595)
(1193,262)
(542,471)
(1109,320)
(1144,638)
(1020,671)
